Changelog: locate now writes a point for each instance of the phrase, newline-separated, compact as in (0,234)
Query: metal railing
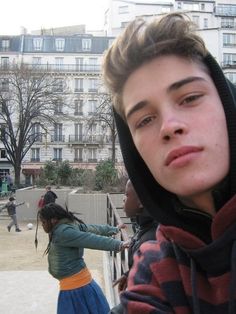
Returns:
(118,261)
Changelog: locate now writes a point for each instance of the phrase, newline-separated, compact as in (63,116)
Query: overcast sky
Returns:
(37,14)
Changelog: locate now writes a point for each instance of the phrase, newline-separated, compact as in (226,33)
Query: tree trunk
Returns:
(17,175)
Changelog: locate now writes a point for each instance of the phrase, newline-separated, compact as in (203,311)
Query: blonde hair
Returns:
(141,42)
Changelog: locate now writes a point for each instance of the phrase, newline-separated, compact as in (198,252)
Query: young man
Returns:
(177,130)
(146,230)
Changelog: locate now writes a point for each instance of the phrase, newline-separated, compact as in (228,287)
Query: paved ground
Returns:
(26,287)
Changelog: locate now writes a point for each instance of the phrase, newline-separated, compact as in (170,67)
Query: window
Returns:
(5,85)
(179,5)
(3,153)
(123,9)
(226,9)
(92,154)
(93,65)
(78,107)
(93,85)
(79,64)
(202,6)
(227,22)
(78,154)
(36,132)
(37,44)
(58,107)
(59,63)
(205,23)
(229,40)
(57,154)
(165,10)
(229,59)
(60,44)
(78,131)
(79,85)
(58,85)
(4,132)
(196,20)
(92,106)
(5,45)
(86,44)
(4,62)
(58,137)
(35,154)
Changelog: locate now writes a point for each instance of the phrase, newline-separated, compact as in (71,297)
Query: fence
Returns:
(118,262)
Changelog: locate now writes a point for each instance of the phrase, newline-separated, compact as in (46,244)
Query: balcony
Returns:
(57,138)
(67,68)
(78,160)
(35,159)
(228,64)
(227,11)
(34,138)
(85,139)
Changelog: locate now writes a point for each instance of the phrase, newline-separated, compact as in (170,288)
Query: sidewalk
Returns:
(30,292)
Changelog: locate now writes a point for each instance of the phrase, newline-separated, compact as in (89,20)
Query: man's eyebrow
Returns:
(136,107)
(173,87)
(179,84)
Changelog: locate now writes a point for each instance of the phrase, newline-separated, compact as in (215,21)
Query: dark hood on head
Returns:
(158,201)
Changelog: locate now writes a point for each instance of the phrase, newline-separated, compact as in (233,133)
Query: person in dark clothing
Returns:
(11,210)
(175,113)
(146,230)
(50,196)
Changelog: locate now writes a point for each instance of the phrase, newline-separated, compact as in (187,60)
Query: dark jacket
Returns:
(50,197)
(193,255)
(146,230)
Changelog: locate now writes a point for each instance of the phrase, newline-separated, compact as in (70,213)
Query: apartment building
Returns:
(216,22)
(75,61)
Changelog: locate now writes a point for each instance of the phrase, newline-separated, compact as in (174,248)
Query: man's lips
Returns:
(179,152)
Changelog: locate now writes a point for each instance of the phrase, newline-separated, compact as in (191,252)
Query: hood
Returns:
(159,202)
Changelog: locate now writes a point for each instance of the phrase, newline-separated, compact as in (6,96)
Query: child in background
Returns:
(11,210)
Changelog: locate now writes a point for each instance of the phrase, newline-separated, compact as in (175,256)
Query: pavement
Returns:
(29,292)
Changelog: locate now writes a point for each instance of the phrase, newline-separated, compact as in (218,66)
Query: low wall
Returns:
(91,208)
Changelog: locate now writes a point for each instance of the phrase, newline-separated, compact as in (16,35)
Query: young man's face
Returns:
(178,125)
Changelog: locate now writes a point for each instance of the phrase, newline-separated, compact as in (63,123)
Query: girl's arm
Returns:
(104,230)
(72,236)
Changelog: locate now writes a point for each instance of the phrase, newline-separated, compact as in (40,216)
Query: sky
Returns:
(38,14)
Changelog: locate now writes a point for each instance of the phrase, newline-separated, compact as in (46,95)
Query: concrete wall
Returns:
(91,208)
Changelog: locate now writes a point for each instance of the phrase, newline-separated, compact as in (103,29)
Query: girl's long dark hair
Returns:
(56,211)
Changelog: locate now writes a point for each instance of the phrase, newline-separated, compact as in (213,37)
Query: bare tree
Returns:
(105,116)
(27,97)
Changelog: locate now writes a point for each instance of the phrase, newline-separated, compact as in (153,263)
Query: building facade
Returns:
(216,22)
(75,62)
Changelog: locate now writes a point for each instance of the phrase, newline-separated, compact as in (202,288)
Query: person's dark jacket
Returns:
(191,267)
(146,230)
(50,197)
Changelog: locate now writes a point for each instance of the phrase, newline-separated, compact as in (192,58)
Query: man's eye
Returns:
(145,121)
(190,99)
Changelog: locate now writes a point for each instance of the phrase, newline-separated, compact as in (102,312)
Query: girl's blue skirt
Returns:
(88,299)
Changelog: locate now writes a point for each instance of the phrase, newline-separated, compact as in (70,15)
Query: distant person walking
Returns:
(50,196)
(9,181)
(11,209)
